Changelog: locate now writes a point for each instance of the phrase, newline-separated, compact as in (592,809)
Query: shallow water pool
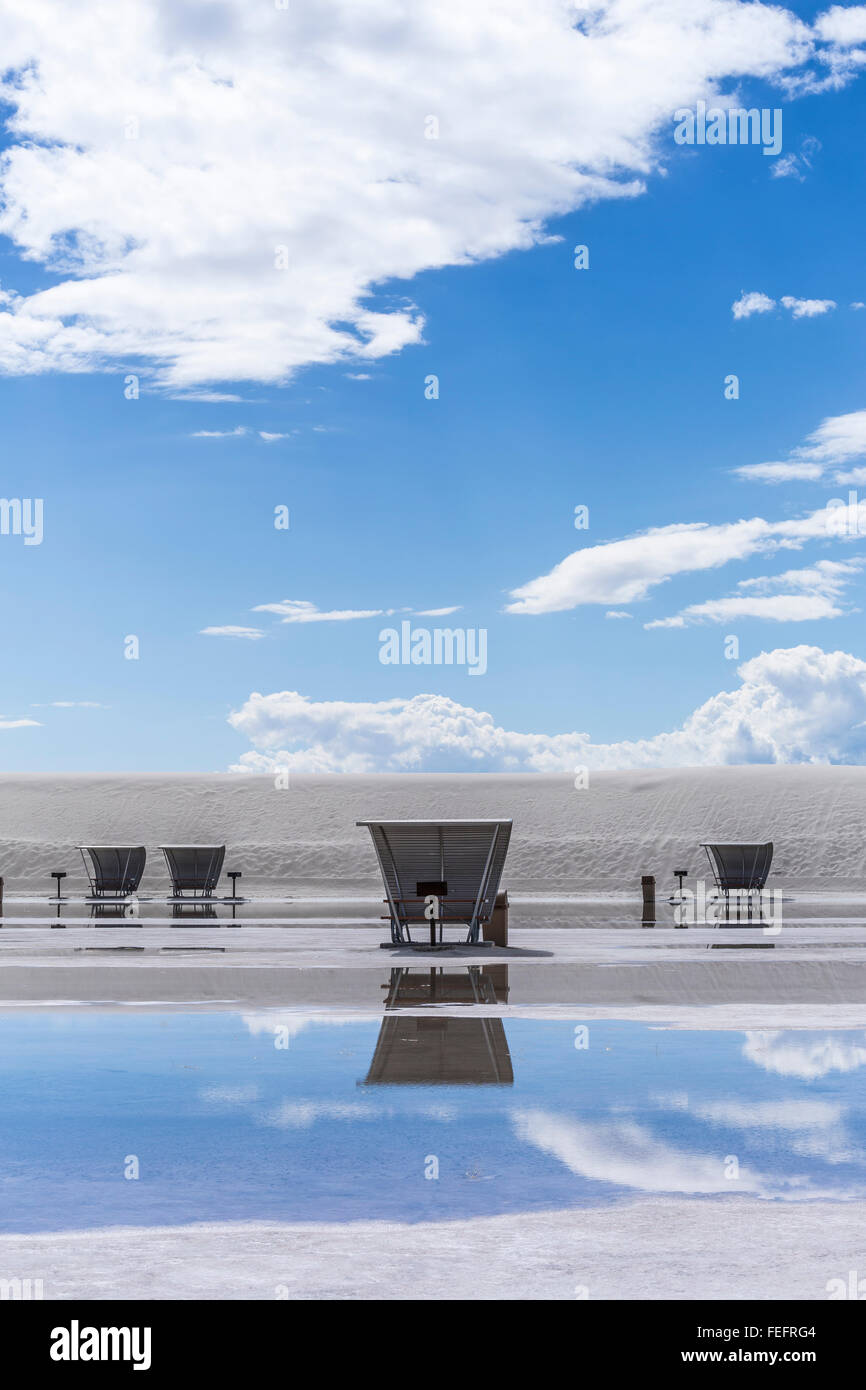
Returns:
(163,1118)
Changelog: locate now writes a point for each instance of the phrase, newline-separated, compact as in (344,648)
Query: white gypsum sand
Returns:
(304,838)
(730,1247)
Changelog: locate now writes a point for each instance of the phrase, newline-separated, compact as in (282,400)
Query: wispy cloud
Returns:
(219,434)
(437,612)
(838,440)
(253,633)
(298,610)
(70,704)
(623,571)
(795,166)
(796,596)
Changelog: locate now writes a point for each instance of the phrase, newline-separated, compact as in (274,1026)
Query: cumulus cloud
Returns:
(839,440)
(793,705)
(807,308)
(622,571)
(220,192)
(812,593)
(752,302)
(755,302)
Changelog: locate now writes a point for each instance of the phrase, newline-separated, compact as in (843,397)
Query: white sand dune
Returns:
(304,839)
(665,1248)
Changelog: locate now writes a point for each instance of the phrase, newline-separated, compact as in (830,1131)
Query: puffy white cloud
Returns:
(622,571)
(812,594)
(838,440)
(752,302)
(843,24)
(220,191)
(793,705)
(807,308)
(755,301)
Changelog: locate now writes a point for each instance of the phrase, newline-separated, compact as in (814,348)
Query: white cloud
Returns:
(807,308)
(219,434)
(70,704)
(753,302)
(230,631)
(793,705)
(624,571)
(19,723)
(843,24)
(778,608)
(815,594)
(838,440)
(786,471)
(271,438)
(165,160)
(617,613)
(437,612)
(794,166)
(299,610)
(626,1153)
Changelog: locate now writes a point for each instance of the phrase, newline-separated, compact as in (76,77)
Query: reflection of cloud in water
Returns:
(301,1114)
(229,1095)
(625,1153)
(808,1057)
(813,1127)
(295,1022)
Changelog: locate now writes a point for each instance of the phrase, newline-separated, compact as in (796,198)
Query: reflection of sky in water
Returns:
(228,1127)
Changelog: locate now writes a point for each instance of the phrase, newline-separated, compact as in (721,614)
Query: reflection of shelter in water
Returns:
(437,1049)
(193,911)
(113,912)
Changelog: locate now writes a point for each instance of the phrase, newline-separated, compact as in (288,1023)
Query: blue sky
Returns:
(558,387)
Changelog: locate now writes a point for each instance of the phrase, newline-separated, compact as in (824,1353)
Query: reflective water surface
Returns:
(432,1114)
